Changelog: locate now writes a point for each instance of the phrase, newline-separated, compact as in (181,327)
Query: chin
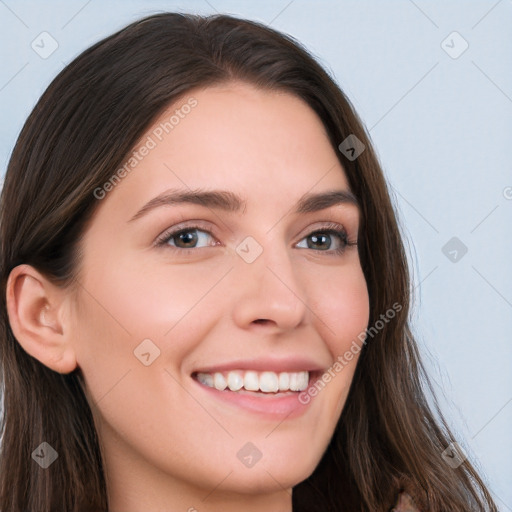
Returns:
(278,471)
(267,480)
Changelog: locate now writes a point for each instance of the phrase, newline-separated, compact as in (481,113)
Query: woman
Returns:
(259,371)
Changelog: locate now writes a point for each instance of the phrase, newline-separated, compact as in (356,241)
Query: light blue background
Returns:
(442,128)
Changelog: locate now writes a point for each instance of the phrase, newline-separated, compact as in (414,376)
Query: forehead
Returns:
(268,146)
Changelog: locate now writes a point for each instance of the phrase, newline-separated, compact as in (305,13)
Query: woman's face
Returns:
(260,293)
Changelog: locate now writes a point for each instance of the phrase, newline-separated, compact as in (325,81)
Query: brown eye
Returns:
(188,237)
(184,238)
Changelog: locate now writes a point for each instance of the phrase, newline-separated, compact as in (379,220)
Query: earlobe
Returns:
(38,318)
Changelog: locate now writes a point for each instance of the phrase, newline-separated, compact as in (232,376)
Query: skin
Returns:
(165,442)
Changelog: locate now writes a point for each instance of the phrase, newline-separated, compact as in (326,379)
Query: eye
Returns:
(324,237)
(184,238)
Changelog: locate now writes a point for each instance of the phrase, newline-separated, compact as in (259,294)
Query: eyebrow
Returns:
(231,202)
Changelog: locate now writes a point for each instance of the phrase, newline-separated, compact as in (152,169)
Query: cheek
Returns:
(149,299)
(340,303)
(127,303)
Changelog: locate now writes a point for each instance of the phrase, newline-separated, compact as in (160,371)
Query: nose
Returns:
(268,291)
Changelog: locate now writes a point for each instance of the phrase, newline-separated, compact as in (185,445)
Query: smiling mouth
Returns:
(267,382)
(268,395)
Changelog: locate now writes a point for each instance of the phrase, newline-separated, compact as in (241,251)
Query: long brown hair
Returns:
(82,129)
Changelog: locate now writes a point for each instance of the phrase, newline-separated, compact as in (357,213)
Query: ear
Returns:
(39,318)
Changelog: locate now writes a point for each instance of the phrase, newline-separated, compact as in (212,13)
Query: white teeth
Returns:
(251,381)
(267,382)
(235,381)
(284,381)
(294,382)
(298,381)
(219,381)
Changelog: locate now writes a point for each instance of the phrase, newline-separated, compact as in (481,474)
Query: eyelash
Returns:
(328,229)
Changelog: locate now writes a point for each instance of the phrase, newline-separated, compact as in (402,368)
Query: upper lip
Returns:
(289,364)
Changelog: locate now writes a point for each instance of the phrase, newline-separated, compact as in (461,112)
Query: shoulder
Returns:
(405,503)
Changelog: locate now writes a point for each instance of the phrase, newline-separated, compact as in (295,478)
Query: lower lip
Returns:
(282,405)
